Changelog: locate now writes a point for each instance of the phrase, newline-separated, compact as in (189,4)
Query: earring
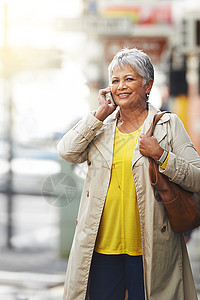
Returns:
(147,101)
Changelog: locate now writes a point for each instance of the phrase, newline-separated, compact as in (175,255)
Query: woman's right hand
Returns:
(105,107)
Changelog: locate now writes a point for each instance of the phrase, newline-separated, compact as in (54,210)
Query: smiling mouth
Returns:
(124,95)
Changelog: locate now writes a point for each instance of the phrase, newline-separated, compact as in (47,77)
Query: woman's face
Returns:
(127,87)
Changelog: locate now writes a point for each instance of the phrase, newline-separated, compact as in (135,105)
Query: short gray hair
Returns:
(137,59)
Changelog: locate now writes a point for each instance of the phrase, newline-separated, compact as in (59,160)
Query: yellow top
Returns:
(119,231)
(164,165)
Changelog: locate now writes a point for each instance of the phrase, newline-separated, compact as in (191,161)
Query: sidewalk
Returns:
(31,276)
(32,270)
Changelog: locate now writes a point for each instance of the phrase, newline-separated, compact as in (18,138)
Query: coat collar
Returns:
(104,139)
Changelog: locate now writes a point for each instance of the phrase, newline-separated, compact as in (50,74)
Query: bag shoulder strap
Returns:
(156,118)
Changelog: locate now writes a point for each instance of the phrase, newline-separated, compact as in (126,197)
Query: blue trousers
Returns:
(112,275)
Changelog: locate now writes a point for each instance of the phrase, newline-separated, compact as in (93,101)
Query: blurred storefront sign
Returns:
(148,14)
(155,47)
(93,24)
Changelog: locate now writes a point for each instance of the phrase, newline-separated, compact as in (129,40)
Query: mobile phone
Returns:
(112,100)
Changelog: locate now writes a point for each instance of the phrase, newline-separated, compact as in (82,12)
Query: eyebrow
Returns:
(124,76)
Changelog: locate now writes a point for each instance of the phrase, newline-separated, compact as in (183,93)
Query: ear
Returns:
(148,86)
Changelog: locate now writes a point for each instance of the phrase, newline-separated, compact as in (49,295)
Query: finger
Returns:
(104,91)
(143,135)
(109,101)
(108,89)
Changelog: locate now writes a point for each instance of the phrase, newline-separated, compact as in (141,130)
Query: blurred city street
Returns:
(54,56)
(32,269)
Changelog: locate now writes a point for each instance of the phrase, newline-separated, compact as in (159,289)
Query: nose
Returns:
(121,84)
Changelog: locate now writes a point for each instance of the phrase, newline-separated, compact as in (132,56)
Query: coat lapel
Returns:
(104,140)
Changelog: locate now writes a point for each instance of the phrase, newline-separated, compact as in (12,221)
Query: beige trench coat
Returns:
(167,272)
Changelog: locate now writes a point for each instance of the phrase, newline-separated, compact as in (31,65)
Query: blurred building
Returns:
(53,62)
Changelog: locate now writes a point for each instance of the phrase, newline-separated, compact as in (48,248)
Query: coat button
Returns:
(163,228)
(76,222)
(89,162)
(87,193)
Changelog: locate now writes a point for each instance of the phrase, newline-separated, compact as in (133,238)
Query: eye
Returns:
(114,81)
(130,79)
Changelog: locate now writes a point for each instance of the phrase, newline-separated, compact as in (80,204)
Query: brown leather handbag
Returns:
(183,207)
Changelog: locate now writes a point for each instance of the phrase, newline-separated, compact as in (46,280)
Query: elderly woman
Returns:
(123,240)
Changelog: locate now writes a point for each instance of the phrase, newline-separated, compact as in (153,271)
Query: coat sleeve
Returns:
(73,146)
(183,165)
